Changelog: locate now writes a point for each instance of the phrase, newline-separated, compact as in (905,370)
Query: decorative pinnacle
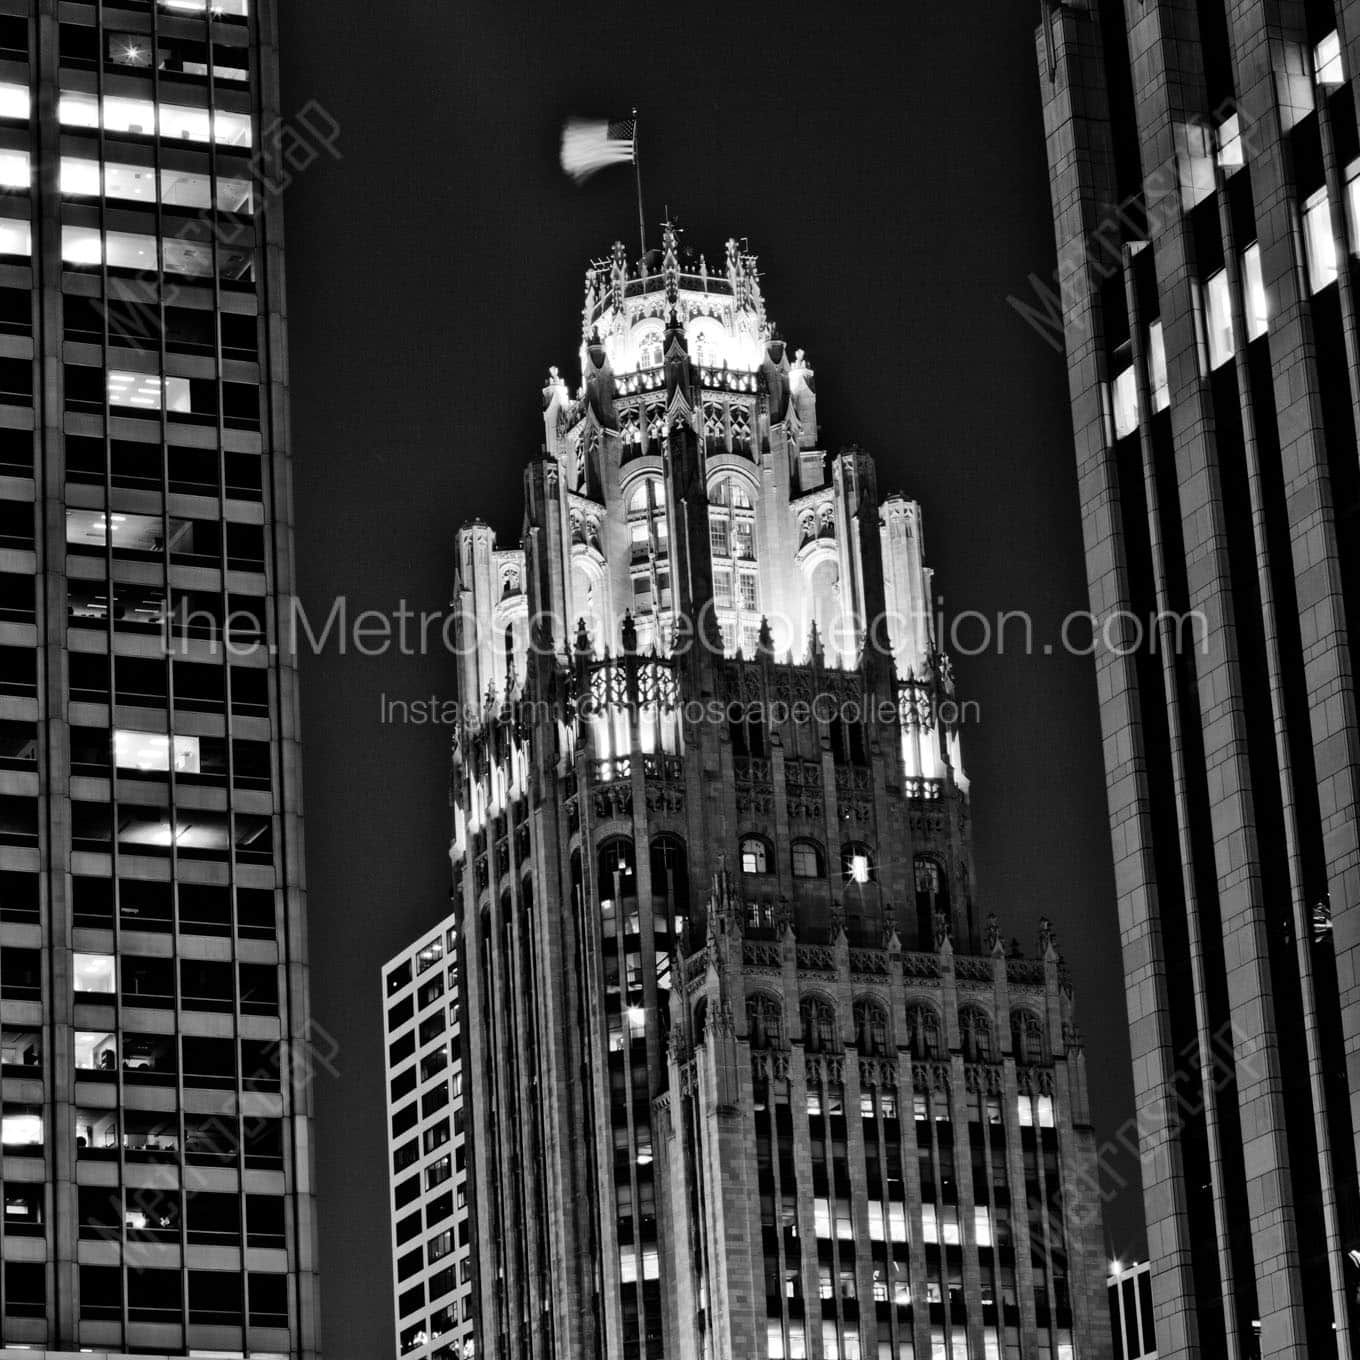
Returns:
(993,934)
(1048,939)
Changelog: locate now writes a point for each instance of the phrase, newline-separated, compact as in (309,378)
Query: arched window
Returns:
(618,868)
(649,537)
(871,1028)
(923,1026)
(704,347)
(1027,1038)
(808,861)
(764,1020)
(587,597)
(736,573)
(700,1019)
(857,862)
(650,352)
(670,874)
(976,1031)
(824,593)
(650,491)
(755,855)
(932,897)
(819,1025)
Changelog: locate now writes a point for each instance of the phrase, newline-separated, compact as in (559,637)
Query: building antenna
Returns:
(637,179)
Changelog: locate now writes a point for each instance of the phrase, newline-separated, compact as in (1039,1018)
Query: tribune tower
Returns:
(747,1074)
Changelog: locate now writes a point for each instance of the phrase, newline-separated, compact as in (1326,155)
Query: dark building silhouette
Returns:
(1204,173)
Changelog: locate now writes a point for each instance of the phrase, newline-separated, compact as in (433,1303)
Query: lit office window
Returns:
(21,1130)
(182,189)
(152,752)
(149,391)
(1124,399)
(93,528)
(142,117)
(79,110)
(15,172)
(1230,150)
(80,178)
(194,258)
(94,973)
(1327,61)
(1218,319)
(1156,357)
(15,100)
(1257,312)
(118,250)
(1319,244)
(95,1051)
(16,238)
(238,8)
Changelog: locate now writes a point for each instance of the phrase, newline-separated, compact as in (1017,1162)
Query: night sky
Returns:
(887,165)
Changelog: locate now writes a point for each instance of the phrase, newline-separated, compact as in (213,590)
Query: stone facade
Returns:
(747,1075)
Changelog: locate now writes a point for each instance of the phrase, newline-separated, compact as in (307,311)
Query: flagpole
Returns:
(637,179)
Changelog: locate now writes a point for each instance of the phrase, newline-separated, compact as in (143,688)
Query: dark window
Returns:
(405,1119)
(265,1221)
(212,1219)
(214,1298)
(101,1292)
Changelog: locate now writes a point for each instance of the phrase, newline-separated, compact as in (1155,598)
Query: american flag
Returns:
(590,144)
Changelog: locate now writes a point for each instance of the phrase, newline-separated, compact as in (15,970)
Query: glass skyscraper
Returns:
(1205,171)
(157,1183)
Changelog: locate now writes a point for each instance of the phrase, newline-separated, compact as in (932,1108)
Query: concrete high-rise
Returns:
(432,1280)
(1205,172)
(157,1158)
(747,1075)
